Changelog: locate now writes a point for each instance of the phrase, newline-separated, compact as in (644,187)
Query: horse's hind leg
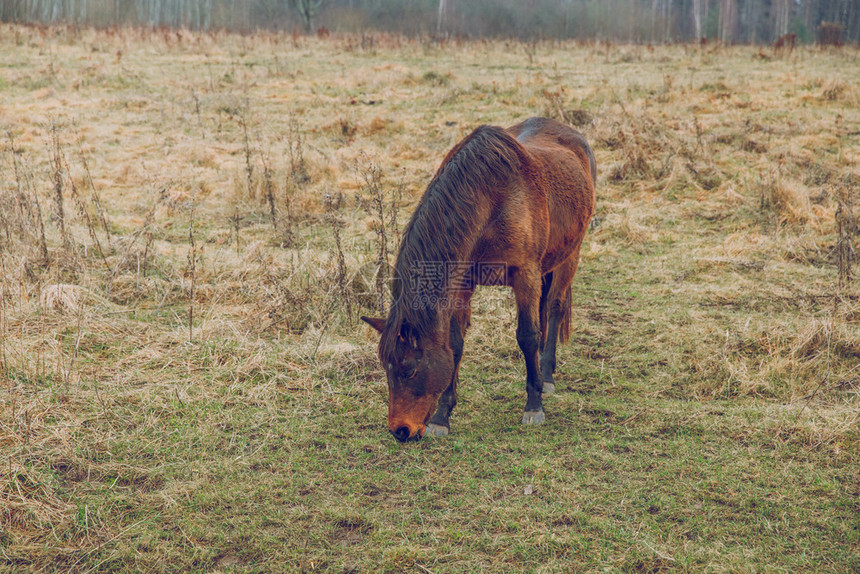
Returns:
(438,424)
(544,291)
(527,289)
(558,304)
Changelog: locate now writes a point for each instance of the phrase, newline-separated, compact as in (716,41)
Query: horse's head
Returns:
(419,369)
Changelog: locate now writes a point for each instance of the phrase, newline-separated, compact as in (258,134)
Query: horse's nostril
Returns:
(401,434)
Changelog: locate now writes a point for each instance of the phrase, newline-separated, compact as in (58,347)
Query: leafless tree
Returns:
(308,11)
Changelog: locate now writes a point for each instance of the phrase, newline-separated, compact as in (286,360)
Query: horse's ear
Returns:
(408,335)
(378,324)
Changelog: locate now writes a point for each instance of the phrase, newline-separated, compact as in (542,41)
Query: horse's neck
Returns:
(470,238)
(461,264)
(439,277)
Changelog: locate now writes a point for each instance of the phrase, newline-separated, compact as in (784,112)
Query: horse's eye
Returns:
(408,373)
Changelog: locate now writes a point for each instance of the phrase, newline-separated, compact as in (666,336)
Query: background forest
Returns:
(639,21)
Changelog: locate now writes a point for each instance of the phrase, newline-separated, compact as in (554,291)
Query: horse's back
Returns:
(568,173)
(539,133)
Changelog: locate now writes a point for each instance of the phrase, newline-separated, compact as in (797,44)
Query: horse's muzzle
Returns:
(404,434)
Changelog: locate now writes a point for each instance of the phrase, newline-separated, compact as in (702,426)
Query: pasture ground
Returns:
(188,230)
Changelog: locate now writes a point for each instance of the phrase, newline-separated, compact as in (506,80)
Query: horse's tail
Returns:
(564,324)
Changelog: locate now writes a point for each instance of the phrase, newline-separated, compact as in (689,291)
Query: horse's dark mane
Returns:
(444,224)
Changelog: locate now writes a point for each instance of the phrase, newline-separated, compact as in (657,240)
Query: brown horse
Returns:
(506,207)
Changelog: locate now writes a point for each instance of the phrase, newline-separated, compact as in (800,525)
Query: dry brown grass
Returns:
(710,272)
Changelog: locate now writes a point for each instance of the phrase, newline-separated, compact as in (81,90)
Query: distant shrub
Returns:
(830,34)
(799,29)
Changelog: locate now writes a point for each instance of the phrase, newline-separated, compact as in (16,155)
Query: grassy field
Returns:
(189,227)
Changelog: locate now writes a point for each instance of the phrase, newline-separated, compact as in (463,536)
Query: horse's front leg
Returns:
(460,321)
(527,289)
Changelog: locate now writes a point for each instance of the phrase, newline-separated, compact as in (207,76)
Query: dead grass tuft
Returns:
(789,199)
(833,91)
(62,297)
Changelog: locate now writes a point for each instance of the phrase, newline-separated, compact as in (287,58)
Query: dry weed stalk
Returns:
(292,181)
(287,235)
(531,50)
(249,166)
(67,372)
(336,224)
(144,229)
(85,216)
(374,202)
(296,292)
(295,150)
(269,190)
(57,162)
(4,322)
(192,268)
(282,226)
(28,208)
(235,220)
(5,225)
(94,194)
(846,223)
(196,99)
(554,106)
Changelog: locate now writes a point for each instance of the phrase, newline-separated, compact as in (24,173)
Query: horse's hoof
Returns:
(533,418)
(548,388)
(436,430)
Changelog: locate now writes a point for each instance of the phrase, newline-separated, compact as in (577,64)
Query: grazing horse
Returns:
(506,207)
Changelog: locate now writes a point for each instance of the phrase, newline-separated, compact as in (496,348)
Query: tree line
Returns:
(639,21)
